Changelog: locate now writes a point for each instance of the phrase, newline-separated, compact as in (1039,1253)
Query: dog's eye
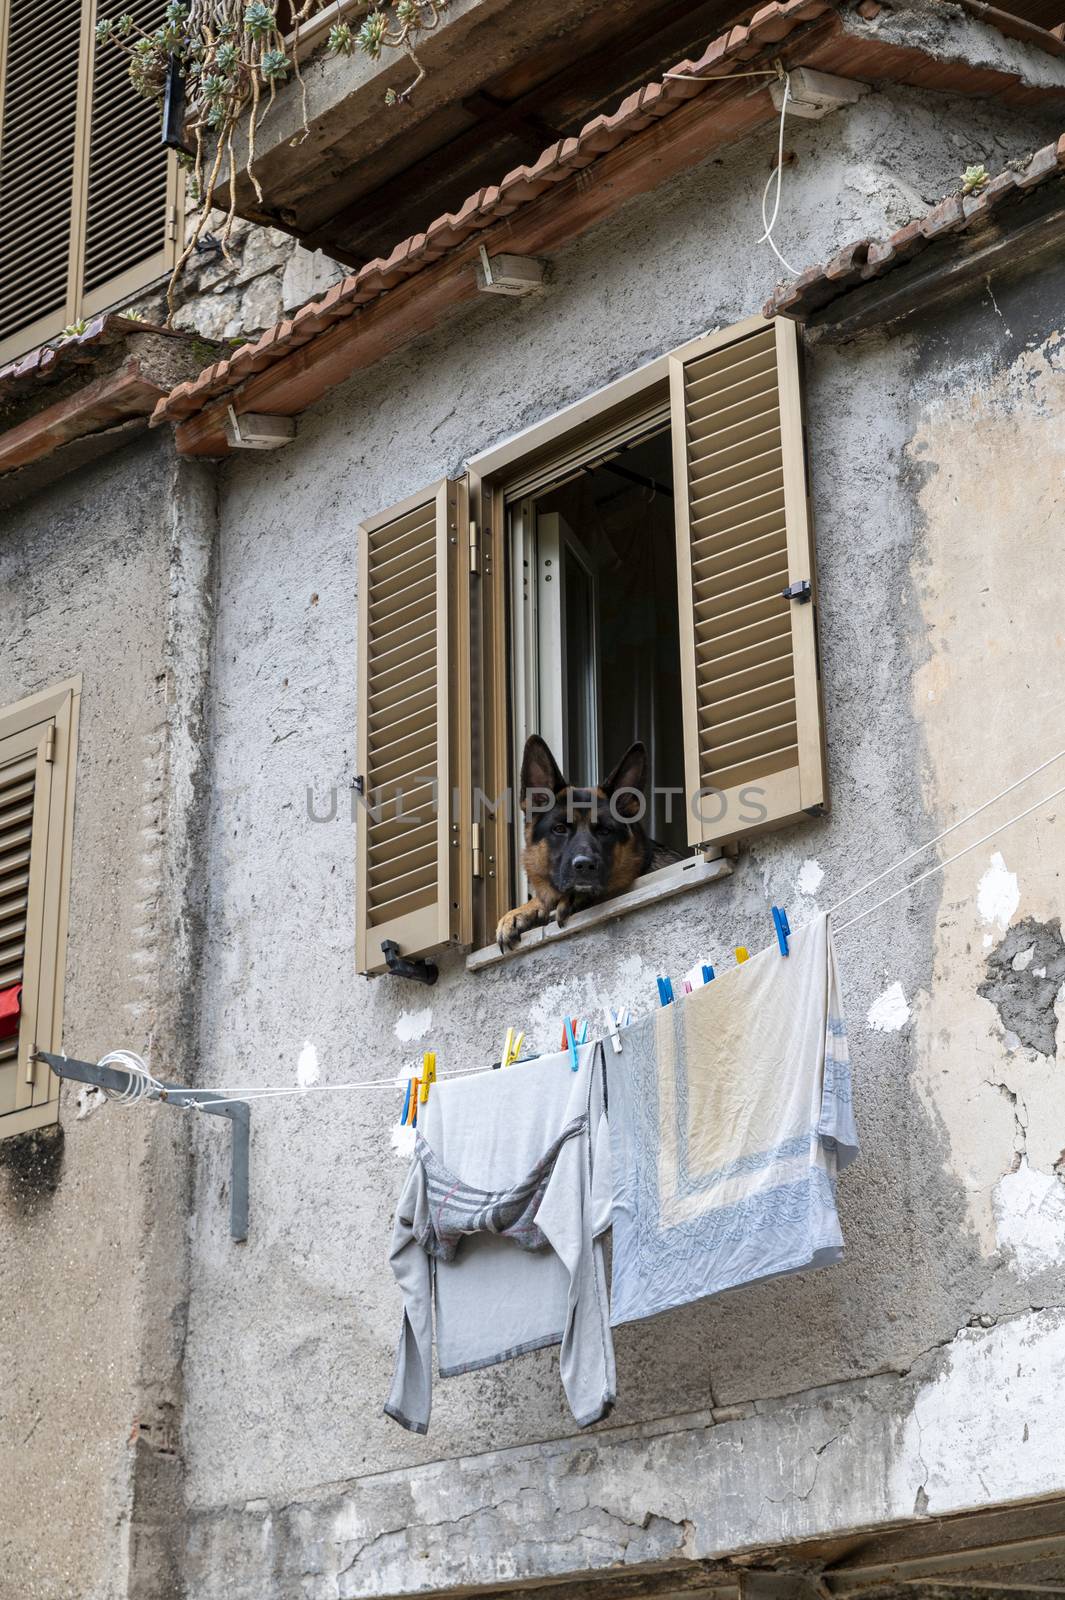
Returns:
(560,827)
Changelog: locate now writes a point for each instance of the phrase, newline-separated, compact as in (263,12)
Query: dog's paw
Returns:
(562,911)
(510,929)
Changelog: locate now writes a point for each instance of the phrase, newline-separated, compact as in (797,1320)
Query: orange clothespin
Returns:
(428,1074)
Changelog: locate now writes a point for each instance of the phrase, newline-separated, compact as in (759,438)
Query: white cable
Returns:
(941,866)
(921,848)
(142,1084)
(778,173)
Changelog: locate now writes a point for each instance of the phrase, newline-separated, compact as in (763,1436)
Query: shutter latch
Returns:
(801,591)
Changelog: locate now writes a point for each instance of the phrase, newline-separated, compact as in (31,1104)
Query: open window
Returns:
(37,752)
(640,567)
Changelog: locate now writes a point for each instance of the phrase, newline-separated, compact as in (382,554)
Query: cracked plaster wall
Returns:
(105,575)
(939,640)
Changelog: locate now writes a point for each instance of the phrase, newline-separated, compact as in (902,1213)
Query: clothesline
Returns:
(143,1083)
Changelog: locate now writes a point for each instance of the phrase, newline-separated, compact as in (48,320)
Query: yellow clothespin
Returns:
(741,954)
(428,1074)
(512,1047)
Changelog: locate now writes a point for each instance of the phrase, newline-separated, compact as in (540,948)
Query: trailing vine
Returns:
(231,56)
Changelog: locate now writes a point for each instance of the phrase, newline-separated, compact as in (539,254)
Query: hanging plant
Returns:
(232,55)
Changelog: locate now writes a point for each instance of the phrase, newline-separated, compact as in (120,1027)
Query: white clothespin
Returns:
(612,1028)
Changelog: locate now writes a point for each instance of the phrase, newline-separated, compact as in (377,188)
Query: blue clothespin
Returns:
(665,991)
(783,931)
(708,973)
(572,1042)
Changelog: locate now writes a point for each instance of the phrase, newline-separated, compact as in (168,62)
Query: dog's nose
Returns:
(584,866)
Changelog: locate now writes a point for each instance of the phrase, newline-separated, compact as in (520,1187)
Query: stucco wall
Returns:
(91,1224)
(938,641)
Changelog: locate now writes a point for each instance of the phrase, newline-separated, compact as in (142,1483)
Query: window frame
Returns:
(542,455)
(630,407)
(50,720)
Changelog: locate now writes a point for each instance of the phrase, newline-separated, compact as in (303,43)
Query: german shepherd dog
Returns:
(581,845)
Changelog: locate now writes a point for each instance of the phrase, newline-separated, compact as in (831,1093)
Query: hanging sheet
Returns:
(730,1116)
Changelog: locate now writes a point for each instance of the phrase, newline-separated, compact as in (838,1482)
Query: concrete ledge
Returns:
(805,1472)
(647,891)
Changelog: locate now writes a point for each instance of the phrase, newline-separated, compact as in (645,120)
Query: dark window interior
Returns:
(621,512)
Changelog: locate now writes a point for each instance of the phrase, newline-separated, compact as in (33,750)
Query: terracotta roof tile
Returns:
(50,362)
(724,55)
(867,259)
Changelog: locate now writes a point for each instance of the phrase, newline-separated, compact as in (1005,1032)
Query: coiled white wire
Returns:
(142,1085)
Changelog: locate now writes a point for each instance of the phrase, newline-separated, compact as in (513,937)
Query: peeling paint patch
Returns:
(1029,1208)
(1024,974)
(984,1381)
(999,894)
(890,1011)
(414,1024)
(811,876)
(307,1066)
(90,1099)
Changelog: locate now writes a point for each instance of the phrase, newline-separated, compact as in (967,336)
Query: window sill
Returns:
(646,891)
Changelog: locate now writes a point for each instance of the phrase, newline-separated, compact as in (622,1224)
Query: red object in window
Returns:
(10,1009)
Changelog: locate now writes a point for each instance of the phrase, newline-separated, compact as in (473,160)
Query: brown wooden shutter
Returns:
(128,175)
(39,72)
(37,740)
(410,888)
(751,685)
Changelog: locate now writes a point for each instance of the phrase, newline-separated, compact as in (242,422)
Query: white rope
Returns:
(921,848)
(941,866)
(144,1085)
(778,174)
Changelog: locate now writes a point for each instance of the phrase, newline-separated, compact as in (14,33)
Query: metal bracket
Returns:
(175,1094)
(173,134)
(405,967)
(801,591)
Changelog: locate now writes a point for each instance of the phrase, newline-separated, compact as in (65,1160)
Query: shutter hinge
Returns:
(49,743)
(478,851)
(171,222)
(475,547)
(801,591)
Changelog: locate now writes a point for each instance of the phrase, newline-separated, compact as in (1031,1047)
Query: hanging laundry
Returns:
(730,1116)
(499,1228)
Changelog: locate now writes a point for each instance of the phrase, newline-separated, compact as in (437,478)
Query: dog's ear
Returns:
(540,775)
(628,782)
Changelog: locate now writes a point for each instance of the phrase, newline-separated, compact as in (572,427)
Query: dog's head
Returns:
(584,843)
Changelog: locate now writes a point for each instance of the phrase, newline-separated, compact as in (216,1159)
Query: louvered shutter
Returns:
(407,648)
(37,742)
(754,755)
(39,71)
(25,791)
(128,176)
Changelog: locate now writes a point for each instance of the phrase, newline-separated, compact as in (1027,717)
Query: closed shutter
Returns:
(36,812)
(408,646)
(88,194)
(39,70)
(754,752)
(129,171)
